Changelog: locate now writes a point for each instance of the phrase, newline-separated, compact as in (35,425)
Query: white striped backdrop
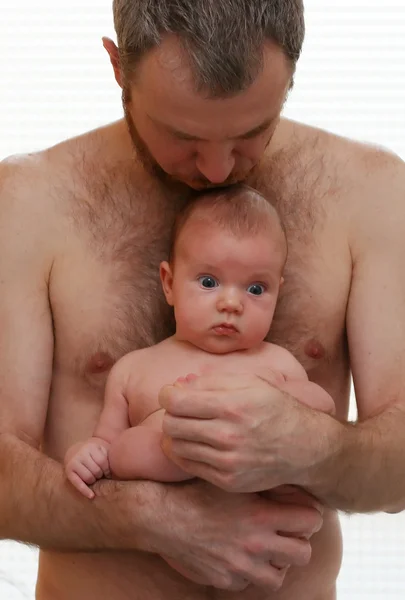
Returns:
(55,82)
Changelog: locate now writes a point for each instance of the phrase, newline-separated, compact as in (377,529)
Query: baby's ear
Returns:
(166,277)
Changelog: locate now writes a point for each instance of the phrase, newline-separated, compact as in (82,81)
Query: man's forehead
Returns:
(165,85)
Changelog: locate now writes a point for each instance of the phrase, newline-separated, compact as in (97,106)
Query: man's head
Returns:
(225,269)
(204,82)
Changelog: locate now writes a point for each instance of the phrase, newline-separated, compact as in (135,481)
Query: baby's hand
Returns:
(87,464)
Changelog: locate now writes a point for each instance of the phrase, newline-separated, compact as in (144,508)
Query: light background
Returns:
(55,82)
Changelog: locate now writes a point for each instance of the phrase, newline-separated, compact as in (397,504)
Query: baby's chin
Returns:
(222,345)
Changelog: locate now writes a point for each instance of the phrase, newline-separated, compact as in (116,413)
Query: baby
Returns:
(222,278)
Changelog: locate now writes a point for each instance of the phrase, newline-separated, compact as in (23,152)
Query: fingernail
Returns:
(191,377)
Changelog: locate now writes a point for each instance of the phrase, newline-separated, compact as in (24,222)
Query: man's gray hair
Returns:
(223,38)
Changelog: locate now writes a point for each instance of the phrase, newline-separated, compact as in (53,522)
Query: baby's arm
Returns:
(88,461)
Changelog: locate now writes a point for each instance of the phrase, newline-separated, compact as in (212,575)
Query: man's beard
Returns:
(151,166)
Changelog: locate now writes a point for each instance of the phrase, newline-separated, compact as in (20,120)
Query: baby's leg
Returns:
(137,454)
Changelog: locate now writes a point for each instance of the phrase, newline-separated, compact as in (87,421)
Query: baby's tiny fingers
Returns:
(79,484)
(85,473)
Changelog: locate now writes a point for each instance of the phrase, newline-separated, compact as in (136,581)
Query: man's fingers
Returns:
(291,494)
(267,576)
(180,400)
(220,479)
(290,551)
(205,431)
(301,523)
(203,453)
(185,402)
(222,382)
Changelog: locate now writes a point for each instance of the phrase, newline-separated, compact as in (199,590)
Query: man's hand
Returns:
(240,433)
(231,540)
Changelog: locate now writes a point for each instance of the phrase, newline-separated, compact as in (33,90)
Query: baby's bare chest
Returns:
(165,366)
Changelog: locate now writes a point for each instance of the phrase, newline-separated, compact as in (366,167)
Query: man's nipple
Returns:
(315,349)
(99,363)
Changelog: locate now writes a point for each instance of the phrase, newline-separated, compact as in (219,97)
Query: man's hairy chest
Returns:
(106,296)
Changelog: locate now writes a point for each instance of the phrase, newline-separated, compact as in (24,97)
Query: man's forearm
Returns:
(362,469)
(38,506)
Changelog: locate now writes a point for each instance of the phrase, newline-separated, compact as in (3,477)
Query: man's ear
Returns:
(113,53)
(166,277)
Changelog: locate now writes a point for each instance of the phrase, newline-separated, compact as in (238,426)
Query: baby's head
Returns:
(225,269)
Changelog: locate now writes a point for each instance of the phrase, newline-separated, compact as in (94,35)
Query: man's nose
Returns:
(215,162)
(230,301)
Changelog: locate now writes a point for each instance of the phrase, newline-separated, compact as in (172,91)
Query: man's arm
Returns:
(354,467)
(33,487)
(366,473)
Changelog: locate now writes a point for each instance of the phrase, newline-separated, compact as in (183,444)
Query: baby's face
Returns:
(224,289)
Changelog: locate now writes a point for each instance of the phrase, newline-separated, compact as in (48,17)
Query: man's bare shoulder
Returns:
(371,196)
(22,186)
(372,179)
(98,146)
(330,175)
(44,184)
(360,162)
(27,228)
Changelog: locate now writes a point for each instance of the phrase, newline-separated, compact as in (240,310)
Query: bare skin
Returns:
(224,290)
(90,336)
(127,440)
(84,229)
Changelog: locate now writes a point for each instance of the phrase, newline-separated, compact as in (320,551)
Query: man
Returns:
(84,226)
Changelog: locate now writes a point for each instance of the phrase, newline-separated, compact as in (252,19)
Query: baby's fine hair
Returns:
(237,209)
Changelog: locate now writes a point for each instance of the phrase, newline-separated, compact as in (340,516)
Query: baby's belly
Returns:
(136,576)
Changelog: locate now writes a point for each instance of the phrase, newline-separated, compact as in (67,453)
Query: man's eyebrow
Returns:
(186,136)
(256,130)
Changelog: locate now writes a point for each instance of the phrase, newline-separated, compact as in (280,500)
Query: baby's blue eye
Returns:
(208,282)
(256,289)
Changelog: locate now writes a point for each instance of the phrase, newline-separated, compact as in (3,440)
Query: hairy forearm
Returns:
(38,506)
(361,468)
